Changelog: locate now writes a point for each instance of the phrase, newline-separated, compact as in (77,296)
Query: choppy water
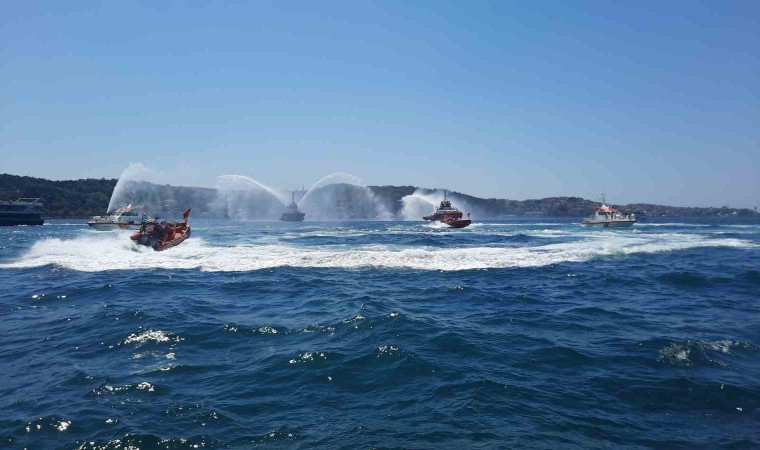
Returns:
(523,333)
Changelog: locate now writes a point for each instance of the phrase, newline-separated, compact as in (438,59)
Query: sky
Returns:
(645,101)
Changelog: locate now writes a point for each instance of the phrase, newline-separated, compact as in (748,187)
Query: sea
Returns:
(513,333)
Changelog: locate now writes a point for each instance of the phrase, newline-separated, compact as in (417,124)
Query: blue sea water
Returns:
(521,333)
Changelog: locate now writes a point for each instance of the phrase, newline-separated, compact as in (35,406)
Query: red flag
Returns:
(186,213)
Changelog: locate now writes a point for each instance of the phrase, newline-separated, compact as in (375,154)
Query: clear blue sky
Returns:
(655,101)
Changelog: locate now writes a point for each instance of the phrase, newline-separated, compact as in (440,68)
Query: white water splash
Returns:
(237,181)
(124,191)
(333,178)
(341,196)
(245,198)
(112,251)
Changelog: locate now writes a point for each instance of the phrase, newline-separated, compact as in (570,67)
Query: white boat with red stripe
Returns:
(607,216)
(125,218)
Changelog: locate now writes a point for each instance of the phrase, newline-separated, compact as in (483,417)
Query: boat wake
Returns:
(92,252)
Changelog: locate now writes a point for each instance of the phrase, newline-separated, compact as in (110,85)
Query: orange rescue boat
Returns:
(163,235)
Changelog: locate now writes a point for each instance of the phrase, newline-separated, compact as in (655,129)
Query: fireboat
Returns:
(292,214)
(448,214)
(607,216)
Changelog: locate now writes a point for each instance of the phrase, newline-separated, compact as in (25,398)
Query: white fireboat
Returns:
(607,216)
(125,218)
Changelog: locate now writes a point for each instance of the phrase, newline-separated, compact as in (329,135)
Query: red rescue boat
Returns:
(163,235)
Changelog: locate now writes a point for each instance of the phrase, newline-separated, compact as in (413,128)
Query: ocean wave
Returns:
(136,441)
(47,424)
(108,389)
(698,352)
(96,253)
(154,336)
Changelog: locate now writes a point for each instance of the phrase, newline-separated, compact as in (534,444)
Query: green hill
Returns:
(89,197)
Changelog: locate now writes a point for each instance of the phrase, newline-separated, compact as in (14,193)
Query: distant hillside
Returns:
(89,197)
(76,198)
(551,206)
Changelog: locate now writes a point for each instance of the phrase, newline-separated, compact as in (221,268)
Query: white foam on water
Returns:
(112,251)
(669,224)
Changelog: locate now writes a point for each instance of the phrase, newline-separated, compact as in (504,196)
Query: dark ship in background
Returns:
(24,211)
(292,213)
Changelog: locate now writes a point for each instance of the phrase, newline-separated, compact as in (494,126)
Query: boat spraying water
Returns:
(125,218)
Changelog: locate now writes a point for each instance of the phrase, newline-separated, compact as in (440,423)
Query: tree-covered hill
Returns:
(71,198)
(89,197)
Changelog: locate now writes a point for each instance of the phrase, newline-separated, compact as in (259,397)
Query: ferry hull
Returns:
(21,220)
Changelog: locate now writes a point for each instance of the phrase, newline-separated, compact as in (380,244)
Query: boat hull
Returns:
(292,217)
(457,223)
(174,242)
(105,226)
(441,216)
(611,223)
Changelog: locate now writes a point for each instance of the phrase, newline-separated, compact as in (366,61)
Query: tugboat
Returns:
(24,211)
(607,216)
(126,218)
(164,235)
(444,209)
(456,223)
(292,214)
(448,214)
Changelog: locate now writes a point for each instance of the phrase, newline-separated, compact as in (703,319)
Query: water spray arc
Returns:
(123,191)
(231,180)
(333,178)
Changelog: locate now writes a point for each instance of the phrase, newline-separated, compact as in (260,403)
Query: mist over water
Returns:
(333,178)
(334,197)
(338,196)
(156,191)
(244,198)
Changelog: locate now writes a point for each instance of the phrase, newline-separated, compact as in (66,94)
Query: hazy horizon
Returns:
(646,102)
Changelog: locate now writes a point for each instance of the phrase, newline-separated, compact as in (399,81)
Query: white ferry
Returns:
(607,216)
(126,218)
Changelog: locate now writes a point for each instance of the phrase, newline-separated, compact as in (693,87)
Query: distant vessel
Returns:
(444,209)
(607,216)
(126,218)
(292,214)
(24,211)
